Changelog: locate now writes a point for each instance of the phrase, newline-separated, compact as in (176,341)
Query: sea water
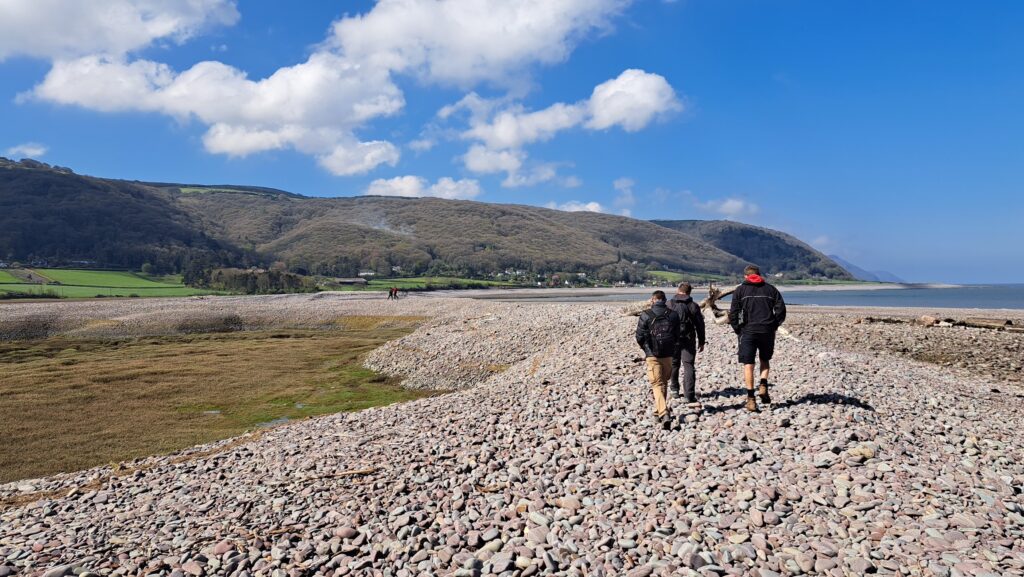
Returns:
(995,296)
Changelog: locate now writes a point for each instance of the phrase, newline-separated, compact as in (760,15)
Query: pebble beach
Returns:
(542,457)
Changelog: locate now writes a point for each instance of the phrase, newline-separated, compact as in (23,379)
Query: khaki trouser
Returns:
(658,372)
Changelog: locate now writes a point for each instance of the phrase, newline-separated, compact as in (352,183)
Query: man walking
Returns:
(657,333)
(691,342)
(756,311)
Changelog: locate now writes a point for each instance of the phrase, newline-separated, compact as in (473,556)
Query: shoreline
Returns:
(640,293)
(857,421)
(528,293)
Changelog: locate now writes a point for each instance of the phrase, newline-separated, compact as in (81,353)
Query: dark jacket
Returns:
(643,330)
(687,309)
(762,307)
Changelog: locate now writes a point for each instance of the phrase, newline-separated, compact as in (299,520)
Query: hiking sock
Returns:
(764,382)
(750,393)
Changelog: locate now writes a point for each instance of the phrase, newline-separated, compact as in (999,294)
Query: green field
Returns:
(677,277)
(105,278)
(8,278)
(78,283)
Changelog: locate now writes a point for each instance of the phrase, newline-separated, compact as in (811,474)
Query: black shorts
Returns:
(752,344)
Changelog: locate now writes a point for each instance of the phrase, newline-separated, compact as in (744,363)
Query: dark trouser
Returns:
(684,358)
(756,345)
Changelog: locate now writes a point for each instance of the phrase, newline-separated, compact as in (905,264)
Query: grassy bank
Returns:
(69,404)
(80,283)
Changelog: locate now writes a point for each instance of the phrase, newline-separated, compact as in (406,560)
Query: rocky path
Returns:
(549,464)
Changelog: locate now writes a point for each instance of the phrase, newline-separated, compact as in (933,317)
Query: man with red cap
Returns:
(756,311)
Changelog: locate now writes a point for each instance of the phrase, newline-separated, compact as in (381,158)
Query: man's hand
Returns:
(700,349)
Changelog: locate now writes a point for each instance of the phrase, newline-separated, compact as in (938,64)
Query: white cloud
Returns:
(449,188)
(572,182)
(826,244)
(462,42)
(632,100)
(513,129)
(478,107)
(537,174)
(313,107)
(625,200)
(416,186)
(26,150)
(59,29)
(359,157)
(729,207)
(482,160)
(422,144)
(319,106)
(577,206)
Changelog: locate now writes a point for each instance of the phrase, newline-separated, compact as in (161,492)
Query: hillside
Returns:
(419,235)
(53,215)
(775,251)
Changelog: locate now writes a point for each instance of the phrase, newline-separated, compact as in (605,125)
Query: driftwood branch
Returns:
(719,316)
(934,321)
(983,323)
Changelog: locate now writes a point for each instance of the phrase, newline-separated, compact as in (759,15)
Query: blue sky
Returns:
(889,133)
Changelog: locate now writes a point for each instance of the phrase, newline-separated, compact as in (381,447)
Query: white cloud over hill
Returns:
(416,186)
(325,106)
(26,150)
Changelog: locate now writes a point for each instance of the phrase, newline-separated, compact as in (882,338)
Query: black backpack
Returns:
(686,325)
(660,338)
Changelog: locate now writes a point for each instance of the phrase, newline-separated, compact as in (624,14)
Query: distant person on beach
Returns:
(756,311)
(392,294)
(657,333)
(691,342)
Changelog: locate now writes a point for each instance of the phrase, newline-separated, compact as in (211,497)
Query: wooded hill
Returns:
(52,214)
(775,251)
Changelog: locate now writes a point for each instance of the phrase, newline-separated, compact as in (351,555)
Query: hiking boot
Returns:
(752,405)
(762,392)
(666,422)
(692,402)
(673,393)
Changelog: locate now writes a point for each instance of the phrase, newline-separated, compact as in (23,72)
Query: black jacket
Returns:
(686,308)
(643,330)
(761,305)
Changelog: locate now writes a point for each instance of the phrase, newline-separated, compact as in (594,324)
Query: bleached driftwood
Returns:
(719,316)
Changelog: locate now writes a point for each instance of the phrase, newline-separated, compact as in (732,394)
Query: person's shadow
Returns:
(813,398)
